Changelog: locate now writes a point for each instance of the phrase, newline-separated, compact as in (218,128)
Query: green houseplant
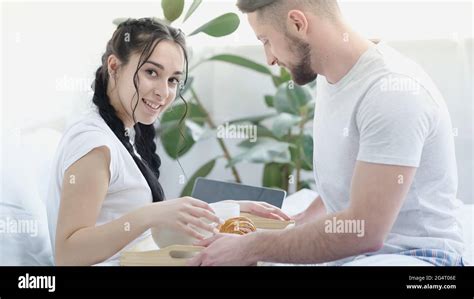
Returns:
(285,143)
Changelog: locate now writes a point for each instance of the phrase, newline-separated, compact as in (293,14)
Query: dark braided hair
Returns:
(136,36)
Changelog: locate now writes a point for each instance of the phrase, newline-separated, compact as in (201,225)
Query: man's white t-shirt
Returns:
(128,189)
(387,110)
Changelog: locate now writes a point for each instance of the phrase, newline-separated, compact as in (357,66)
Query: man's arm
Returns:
(377,194)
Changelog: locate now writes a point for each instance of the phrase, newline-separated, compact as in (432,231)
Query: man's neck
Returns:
(343,53)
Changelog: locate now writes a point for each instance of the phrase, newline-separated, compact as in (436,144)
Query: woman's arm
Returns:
(80,242)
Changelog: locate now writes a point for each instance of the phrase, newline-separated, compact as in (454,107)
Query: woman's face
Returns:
(158,82)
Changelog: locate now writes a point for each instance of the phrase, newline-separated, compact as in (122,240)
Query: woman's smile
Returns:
(150,106)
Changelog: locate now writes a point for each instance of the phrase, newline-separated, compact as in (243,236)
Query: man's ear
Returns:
(297,23)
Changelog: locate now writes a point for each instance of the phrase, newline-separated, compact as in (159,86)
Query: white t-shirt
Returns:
(128,189)
(387,110)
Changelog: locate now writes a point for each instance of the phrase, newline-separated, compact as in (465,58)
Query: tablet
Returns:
(211,191)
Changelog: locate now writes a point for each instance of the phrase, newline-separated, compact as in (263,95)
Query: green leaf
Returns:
(302,151)
(243,62)
(306,152)
(307,111)
(178,136)
(177,141)
(195,130)
(253,119)
(204,171)
(262,132)
(277,81)
(176,112)
(306,184)
(290,98)
(165,127)
(192,9)
(283,123)
(220,26)
(172,9)
(311,109)
(284,77)
(269,101)
(274,175)
(119,21)
(265,150)
(283,102)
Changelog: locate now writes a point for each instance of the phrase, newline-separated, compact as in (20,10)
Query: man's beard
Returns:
(301,72)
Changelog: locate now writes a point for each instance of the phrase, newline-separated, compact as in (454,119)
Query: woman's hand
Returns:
(262,209)
(185,214)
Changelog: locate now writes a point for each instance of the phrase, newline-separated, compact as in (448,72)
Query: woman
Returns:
(105,193)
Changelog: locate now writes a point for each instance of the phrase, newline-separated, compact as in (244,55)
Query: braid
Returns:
(108,113)
(146,147)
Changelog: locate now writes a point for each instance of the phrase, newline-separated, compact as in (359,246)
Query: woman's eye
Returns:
(174,81)
(152,73)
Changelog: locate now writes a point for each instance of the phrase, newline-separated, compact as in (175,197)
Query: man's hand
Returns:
(225,250)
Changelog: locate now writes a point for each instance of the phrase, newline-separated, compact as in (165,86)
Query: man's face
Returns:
(287,51)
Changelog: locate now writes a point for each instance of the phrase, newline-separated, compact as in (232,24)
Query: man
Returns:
(384,157)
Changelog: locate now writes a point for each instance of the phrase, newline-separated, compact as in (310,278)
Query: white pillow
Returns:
(24,235)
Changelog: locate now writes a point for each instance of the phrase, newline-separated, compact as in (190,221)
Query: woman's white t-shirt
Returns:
(128,189)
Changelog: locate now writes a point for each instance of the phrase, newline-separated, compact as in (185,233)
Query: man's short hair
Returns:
(275,8)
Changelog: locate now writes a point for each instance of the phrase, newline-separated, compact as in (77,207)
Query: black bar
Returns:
(139,282)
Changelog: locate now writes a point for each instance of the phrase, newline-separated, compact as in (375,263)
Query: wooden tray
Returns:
(177,255)
(266,223)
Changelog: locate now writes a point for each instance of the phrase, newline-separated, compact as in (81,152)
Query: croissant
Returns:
(238,225)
